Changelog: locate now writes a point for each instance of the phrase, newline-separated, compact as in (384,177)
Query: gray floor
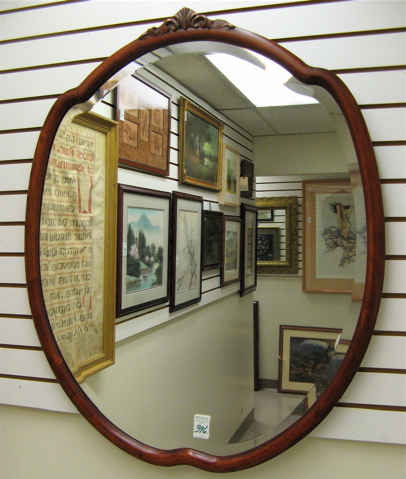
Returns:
(271,409)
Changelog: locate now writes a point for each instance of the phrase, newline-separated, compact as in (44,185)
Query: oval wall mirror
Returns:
(176,386)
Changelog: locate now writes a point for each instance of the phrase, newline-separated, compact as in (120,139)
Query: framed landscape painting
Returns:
(200,147)
(231,270)
(144,249)
(144,117)
(186,283)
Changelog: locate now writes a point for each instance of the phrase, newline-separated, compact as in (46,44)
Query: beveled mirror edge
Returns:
(188,26)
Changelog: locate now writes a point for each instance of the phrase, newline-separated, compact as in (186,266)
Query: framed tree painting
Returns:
(144,114)
(212,224)
(144,249)
(305,354)
(186,282)
(231,269)
(200,147)
(249,249)
(329,236)
(230,192)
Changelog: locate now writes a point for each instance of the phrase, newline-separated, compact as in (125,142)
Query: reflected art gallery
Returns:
(205,269)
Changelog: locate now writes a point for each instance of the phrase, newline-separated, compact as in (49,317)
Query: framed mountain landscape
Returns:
(143,249)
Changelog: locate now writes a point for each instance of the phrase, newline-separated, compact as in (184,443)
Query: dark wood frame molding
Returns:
(189,26)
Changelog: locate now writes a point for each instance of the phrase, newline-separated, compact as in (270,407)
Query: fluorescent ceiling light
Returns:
(262,86)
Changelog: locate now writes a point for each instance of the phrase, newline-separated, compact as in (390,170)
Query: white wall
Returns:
(36,70)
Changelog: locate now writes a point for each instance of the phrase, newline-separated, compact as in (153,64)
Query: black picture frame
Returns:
(186,269)
(144,218)
(247,171)
(249,215)
(268,243)
(231,240)
(212,247)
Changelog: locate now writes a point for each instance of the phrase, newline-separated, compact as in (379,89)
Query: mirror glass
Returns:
(170,367)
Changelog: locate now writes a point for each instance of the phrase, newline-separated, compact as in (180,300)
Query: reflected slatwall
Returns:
(47,48)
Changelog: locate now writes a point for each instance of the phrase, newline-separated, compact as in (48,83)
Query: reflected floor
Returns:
(271,409)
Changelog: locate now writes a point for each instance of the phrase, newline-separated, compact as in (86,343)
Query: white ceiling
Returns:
(194,71)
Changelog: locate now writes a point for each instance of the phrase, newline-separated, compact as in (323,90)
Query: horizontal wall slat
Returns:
(18,146)
(363,425)
(89,14)
(392,314)
(51,81)
(14,301)
(12,239)
(14,115)
(18,332)
(21,4)
(360,52)
(386,352)
(71,48)
(364,389)
(395,277)
(20,392)
(376,50)
(14,177)
(383,86)
(391,161)
(395,238)
(12,270)
(12,207)
(277,23)
(394,200)
(386,124)
(25,362)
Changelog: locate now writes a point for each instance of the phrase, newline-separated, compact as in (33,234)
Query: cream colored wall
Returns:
(65,446)
(198,363)
(46,443)
(276,307)
(298,154)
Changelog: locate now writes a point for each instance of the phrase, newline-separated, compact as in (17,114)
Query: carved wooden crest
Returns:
(184,20)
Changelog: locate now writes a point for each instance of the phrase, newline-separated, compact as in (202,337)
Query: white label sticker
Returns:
(309,219)
(124,249)
(201,426)
(122,114)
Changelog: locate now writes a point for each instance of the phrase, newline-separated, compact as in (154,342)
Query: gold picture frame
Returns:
(285,216)
(78,219)
(200,147)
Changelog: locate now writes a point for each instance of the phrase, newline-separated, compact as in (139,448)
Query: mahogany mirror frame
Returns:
(187,26)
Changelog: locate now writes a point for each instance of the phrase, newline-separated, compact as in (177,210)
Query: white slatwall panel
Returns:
(372,389)
(275,23)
